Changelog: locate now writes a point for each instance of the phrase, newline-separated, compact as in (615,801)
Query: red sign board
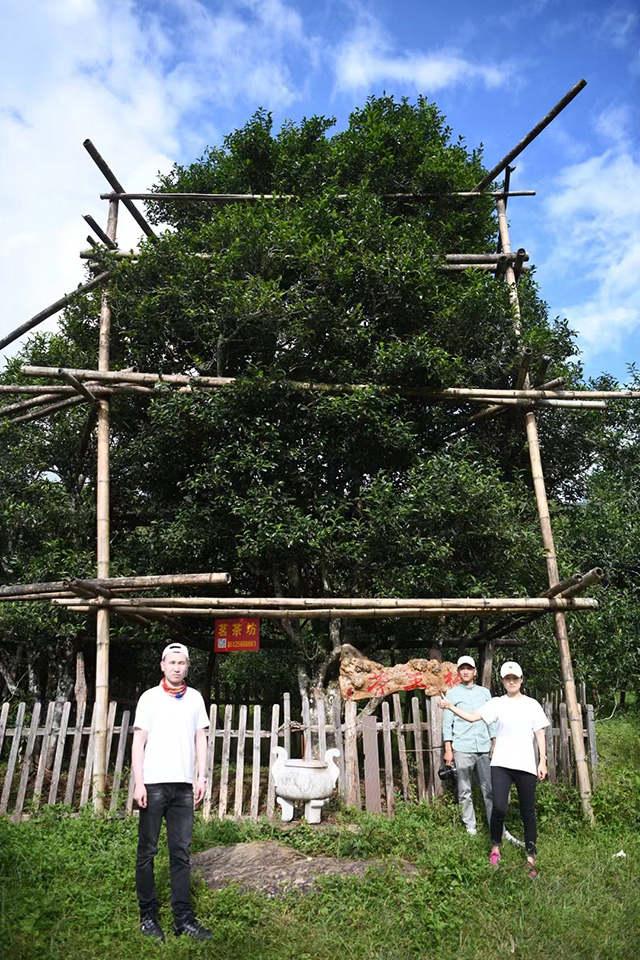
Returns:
(237,635)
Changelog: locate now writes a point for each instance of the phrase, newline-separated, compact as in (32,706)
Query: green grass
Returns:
(67,885)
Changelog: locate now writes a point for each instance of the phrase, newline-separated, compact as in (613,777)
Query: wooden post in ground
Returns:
(560,623)
(103,535)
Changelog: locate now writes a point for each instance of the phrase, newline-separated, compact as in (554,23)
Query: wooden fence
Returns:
(46,755)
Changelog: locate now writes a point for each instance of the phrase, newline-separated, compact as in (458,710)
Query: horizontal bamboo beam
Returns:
(45,411)
(539,127)
(54,308)
(36,401)
(144,582)
(486,393)
(355,603)
(223,198)
(289,613)
(110,176)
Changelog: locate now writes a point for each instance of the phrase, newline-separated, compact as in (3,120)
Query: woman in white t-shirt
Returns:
(519,721)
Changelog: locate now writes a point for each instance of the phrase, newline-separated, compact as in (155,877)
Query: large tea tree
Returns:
(305,493)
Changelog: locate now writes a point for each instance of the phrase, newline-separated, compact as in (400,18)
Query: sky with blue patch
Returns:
(156,82)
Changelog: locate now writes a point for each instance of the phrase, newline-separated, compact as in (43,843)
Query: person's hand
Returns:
(198,791)
(542,769)
(444,703)
(493,746)
(448,755)
(140,796)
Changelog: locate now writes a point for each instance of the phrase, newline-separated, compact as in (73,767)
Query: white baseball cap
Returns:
(175,648)
(510,668)
(468,660)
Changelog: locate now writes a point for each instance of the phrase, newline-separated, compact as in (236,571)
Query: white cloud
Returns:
(594,221)
(146,83)
(619,24)
(366,58)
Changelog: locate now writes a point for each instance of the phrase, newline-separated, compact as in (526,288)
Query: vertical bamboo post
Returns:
(560,623)
(103,537)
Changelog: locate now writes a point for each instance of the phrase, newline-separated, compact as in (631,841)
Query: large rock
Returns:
(275,868)
(361,678)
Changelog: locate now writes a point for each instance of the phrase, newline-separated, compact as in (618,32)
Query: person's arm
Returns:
(471,716)
(201,764)
(493,746)
(542,753)
(137,758)
(447,736)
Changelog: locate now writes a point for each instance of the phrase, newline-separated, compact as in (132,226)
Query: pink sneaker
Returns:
(494,859)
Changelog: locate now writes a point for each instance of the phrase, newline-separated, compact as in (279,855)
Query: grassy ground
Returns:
(66,885)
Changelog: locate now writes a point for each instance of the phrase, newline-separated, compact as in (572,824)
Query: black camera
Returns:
(448,773)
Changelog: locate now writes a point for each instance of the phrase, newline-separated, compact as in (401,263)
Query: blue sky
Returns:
(154,82)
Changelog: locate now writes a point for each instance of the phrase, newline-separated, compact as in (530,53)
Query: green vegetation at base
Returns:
(67,884)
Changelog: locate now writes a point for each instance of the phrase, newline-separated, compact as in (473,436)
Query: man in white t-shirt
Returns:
(169,740)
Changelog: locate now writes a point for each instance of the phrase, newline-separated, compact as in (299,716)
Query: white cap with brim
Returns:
(175,648)
(469,661)
(510,668)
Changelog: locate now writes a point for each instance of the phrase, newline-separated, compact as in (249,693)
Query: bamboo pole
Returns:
(223,198)
(110,176)
(103,536)
(539,127)
(136,377)
(562,636)
(45,411)
(97,229)
(80,388)
(19,590)
(37,401)
(353,603)
(54,308)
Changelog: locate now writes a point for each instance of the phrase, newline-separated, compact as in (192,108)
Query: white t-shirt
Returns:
(517,719)
(171,725)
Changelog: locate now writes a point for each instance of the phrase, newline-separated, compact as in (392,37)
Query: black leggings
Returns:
(501,780)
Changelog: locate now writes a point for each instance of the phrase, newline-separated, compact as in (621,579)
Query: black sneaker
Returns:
(191,927)
(150,927)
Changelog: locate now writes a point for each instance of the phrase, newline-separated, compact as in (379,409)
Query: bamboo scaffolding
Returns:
(497,410)
(80,388)
(328,613)
(110,176)
(539,127)
(180,379)
(57,389)
(224,198)
(562,637)
(54,308)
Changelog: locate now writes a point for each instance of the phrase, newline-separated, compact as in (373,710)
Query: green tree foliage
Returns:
(301,492)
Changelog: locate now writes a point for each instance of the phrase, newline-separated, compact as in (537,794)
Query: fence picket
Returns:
(211,752)
(417,740)
(287,723)
(339,743)
(255,773)
(75,753)
(122,746)
(591,741)
(13,756)
(306,725)
(273,743)
(242,735)
(88,765)
(550,741)
(565,764)
(4,717)
(402,746)
(57,763)
(388,758)
(322,725)
(26,760)
(371,765)
(44,755)
(224,764)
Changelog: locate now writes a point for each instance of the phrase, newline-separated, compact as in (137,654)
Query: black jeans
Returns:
(174,802)
(501,780)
